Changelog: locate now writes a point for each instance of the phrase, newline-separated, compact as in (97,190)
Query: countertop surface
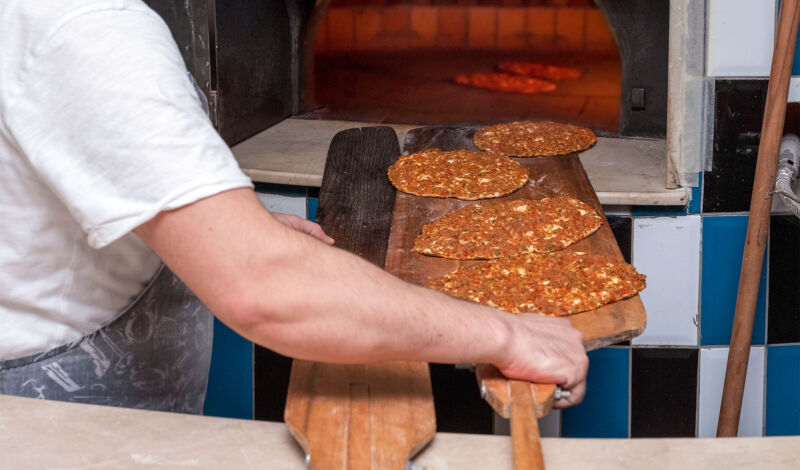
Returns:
(623,171)
(37,434)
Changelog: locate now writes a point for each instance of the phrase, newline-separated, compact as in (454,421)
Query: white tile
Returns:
(285,204)
(741,34)
(794,90)
(713,362)
(667,251)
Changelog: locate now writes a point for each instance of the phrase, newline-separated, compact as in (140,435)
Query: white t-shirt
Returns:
(100,129)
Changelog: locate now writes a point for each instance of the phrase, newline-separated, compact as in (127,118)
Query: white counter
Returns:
(50,435)
(623,171)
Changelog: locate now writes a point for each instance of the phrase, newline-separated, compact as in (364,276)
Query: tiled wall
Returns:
(464,25)
(693,258)
(739,53)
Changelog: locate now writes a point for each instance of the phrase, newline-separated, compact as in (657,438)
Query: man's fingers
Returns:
(576,395)
(316,231)
(548,350)
(305,226)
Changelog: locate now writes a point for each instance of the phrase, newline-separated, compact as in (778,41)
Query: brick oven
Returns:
(263,61)
(394,61)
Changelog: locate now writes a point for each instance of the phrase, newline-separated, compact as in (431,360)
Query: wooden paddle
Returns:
(550,176)
(360,416)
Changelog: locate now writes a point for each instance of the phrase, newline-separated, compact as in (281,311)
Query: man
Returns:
(110,165)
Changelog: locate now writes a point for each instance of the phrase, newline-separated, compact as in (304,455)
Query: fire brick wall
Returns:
(464,25)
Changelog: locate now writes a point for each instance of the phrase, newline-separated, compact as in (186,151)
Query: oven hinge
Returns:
(212,108)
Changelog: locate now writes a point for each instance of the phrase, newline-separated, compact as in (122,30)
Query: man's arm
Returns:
(300,297)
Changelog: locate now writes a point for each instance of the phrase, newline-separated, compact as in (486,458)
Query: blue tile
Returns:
(783,391)
(658,211)
(697,197)
(230,383)
(312,204)
(604,411)
(723,245)
(796,62)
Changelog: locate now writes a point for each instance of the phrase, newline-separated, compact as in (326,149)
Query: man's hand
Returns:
(304,226)
(548,350)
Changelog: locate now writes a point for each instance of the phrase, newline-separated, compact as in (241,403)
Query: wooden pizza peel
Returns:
(520,401)
(380,415)
(364,416)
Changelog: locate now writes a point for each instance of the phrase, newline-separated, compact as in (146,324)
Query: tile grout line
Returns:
(700,285)
(697,393)
(768,262)
(630,389)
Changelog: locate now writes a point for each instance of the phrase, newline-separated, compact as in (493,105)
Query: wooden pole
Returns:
(758,220)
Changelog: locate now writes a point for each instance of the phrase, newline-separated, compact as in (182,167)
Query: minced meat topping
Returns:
(531,139)
(493,229)
(553,284)
(461,174)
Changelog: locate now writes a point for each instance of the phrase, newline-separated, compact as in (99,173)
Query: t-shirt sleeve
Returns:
(110,120)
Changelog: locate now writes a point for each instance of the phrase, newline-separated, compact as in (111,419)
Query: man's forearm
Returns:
(356,312)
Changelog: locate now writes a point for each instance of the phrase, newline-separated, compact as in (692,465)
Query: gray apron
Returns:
(155,355)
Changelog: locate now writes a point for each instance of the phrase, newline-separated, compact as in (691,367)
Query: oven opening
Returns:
(466,62)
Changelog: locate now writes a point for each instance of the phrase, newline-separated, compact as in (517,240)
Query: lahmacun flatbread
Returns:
(532,139)
(553,284)
(461,174)
(505,82)
(508,228)
(540,70)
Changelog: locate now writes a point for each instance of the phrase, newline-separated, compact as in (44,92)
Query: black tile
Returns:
(663,392)
(738,112)
(622,226)
(658,211)
(784,280)
(313,192)
(270,382)
(458,403)
(282,189)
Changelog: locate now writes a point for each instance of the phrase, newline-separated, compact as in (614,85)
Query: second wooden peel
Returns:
(758,220)
(360,416)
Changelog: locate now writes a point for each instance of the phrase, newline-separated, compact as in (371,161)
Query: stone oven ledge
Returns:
(623,171)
